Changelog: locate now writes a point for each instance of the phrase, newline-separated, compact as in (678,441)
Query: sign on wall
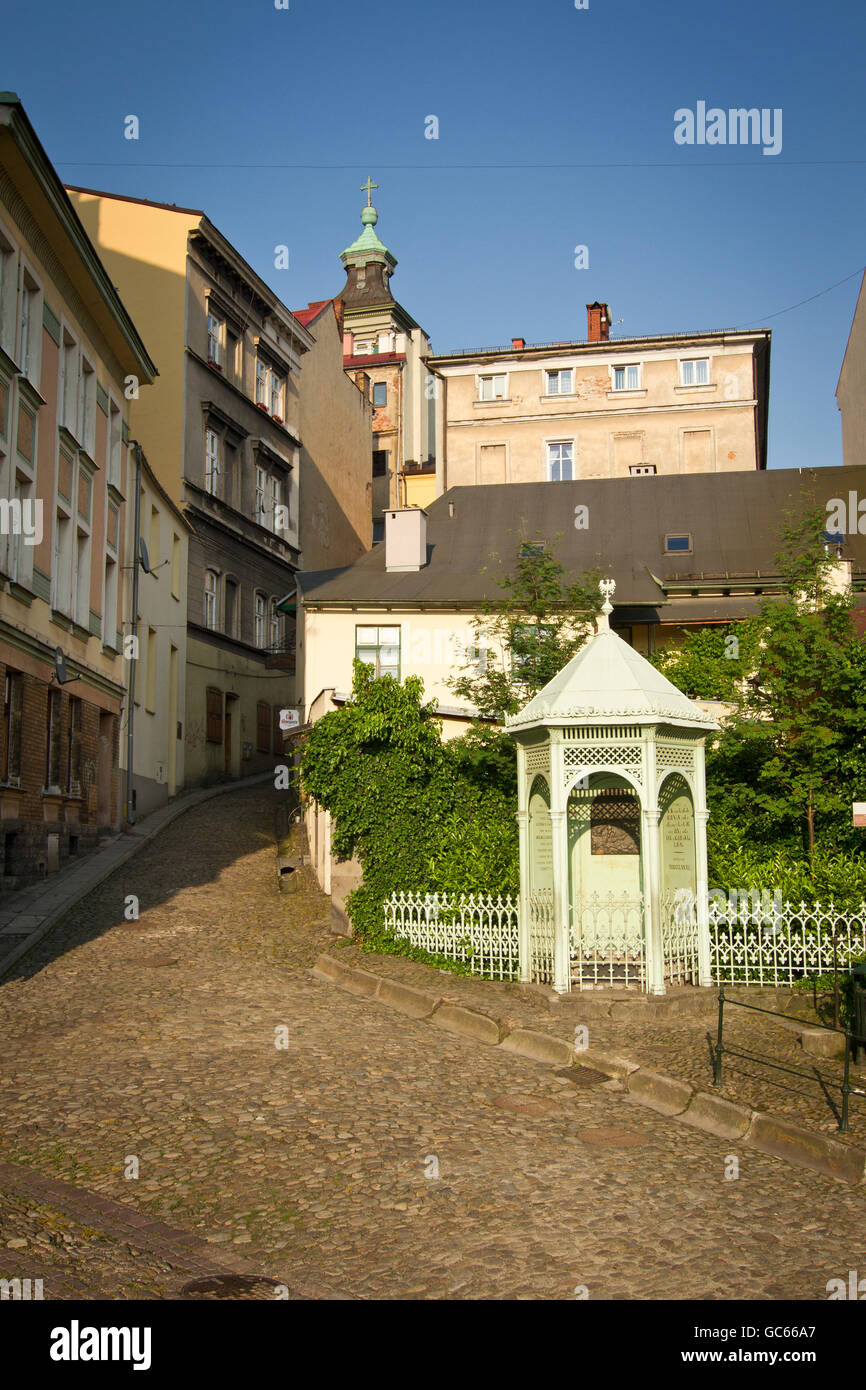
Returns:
(288,720)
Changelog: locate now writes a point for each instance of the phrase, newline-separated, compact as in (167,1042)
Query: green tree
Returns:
(525,638)
(791,759)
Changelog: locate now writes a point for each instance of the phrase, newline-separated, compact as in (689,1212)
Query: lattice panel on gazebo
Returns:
(537,760)
(674,757)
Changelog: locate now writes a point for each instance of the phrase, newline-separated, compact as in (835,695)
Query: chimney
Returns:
(597,323)
(518,344)
(405,540)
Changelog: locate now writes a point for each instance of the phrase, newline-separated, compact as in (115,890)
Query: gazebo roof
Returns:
(609,682)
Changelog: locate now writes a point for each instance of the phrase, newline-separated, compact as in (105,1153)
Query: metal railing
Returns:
(721,1050)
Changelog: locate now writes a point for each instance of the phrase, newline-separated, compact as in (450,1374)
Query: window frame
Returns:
(549,444)
(378,645)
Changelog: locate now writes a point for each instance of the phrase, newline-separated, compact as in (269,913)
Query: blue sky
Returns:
(271,120)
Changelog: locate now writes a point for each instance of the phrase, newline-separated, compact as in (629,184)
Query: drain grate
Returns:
(581,1076)
(246,1286)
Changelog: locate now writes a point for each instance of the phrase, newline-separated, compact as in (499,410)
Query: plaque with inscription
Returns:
(615,824)
(540,844)
(678,844)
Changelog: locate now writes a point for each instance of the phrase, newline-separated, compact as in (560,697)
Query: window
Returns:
(73,748)
(261,383)
(379,647)
(115,444)
(211,461)
(626,378)
(636,469)
(678,545)
(230,607)
(52,740)
(559,383)
(150,693)
(214,715)
(529,647)
(210,599)
(560,461)
(87,407)
(261,493)
(276,501)
(8,294)
(531,548)
(276,623)
(380,393)
(695,372)
(153,538)
(13,701)
(234,356)
(175,565)
(69,369)
(378,532)
(260,626)
(215,340)
(109,603)
(30,328)
(491,388)
(277,392)
(380,463)
(82,577)
(61,575)
(263,727)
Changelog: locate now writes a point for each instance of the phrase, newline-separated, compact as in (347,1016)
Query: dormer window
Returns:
(679,544)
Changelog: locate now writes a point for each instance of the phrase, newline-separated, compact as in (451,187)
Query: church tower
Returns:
(385,352)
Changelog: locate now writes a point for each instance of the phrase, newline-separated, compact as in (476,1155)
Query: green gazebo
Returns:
(612,817)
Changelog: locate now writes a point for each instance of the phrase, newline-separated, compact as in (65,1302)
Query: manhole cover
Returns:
(231,1286)
(581,1076)
(611,1138)
(157,960)
(524,1105)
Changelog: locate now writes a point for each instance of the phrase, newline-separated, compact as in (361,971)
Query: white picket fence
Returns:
(478,929)
(751,946)
(748,944)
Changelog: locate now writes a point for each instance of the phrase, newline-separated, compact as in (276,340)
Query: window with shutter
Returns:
(214,715)
(263,727)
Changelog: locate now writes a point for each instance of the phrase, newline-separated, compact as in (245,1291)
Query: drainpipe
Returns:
(130,718)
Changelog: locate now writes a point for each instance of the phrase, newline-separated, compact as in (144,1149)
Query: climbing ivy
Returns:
(420,814)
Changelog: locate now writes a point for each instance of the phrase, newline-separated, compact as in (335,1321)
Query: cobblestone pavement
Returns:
(677,1045)
(161,1040)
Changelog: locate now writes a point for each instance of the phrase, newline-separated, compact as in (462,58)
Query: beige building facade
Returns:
(161,653)
(689,403)
(851,390)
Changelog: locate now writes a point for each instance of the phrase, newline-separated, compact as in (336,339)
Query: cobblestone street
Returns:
(158,1040)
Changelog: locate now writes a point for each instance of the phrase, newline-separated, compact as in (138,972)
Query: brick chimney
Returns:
(597,323)
(518,344)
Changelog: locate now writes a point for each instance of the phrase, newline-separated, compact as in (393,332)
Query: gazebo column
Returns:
(655,962)
(561,904)
(705,968)
(524,955)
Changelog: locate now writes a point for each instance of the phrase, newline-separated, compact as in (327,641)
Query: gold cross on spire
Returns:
(368,189)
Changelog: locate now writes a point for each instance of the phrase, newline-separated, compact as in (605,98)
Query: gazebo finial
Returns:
(607,587)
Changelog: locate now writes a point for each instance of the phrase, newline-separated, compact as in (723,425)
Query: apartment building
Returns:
(69,356)
(602,408)
(221,429)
